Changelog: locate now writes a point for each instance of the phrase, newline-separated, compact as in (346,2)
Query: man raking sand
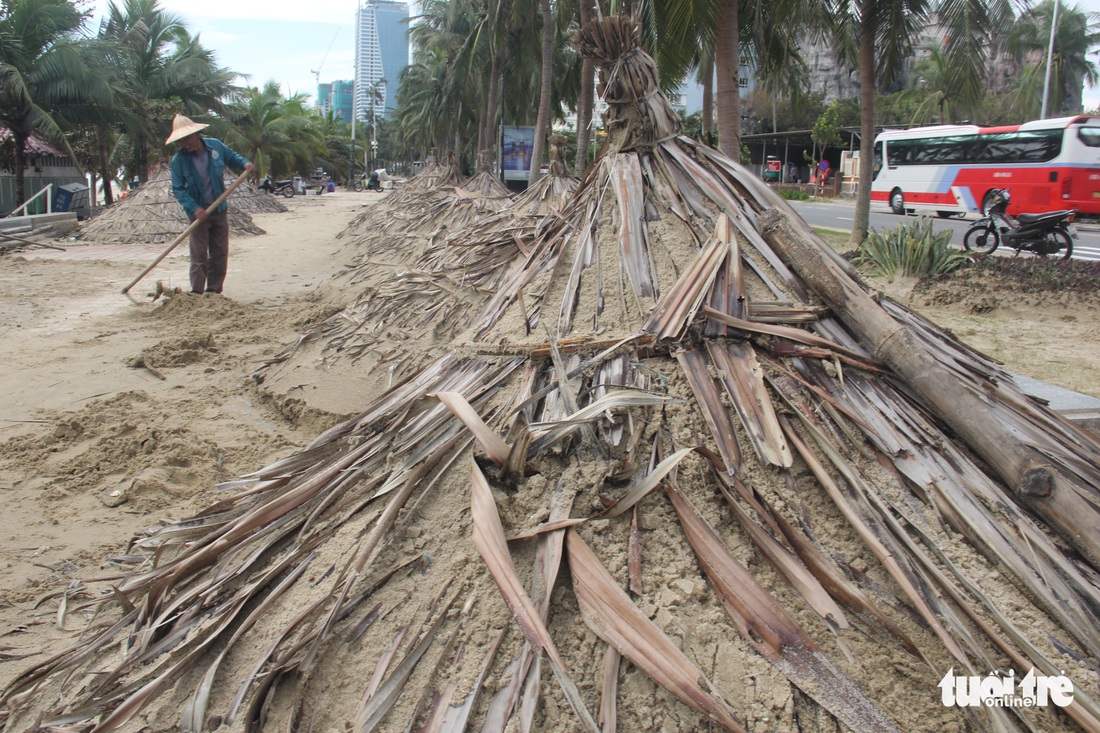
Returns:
(197,181)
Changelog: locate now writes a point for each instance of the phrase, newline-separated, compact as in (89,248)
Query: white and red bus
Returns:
(950,169)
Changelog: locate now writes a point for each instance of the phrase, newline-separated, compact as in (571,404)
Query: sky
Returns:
(273,39)
(287,40)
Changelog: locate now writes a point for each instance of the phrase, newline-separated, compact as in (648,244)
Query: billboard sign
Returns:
(516,145)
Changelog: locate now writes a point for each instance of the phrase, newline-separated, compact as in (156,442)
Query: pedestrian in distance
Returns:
(823,174)
(197,181)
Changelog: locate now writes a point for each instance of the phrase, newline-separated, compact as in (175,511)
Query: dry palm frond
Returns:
(857,492)
(772,631)
(614,618)
(150,214)
(489,538)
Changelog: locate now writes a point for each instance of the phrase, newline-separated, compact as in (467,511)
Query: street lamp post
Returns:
(354,99)
(373,154)
(1050,60)
(351,156)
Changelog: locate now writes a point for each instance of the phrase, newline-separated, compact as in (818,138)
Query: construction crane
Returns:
(317,72)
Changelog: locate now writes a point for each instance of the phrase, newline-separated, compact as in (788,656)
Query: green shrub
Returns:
(794,194)
(912,248)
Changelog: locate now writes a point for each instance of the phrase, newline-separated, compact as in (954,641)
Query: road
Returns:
(838,215)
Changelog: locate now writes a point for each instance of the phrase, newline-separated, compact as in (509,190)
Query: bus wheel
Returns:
(897,201)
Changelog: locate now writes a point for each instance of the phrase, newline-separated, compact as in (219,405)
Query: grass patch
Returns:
(839,241)
(794,194)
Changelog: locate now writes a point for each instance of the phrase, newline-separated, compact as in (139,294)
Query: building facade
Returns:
(381,53)
(45,164)
(337,96)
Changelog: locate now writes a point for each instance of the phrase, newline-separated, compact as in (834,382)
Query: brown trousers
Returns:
(210,253)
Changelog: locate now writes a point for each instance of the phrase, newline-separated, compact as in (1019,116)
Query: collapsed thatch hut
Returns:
(251,199)
(552,191)
(393,313)
(428,208)
(484,183)
(150,214)
(781,503)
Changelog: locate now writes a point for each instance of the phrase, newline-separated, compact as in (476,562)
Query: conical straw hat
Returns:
(182,127)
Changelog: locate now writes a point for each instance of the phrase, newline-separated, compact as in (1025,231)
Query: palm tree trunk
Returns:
(708,98)
(542,124)
(105,168)
(585,101)
(862,215)
(727,59)
(143,159)
(487,139)
(20,140)
(584,116)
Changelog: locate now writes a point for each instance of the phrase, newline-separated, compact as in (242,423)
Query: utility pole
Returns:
(1050,60)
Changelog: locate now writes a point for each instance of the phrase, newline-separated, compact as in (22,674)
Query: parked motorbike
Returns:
(286,188)
(371,183)
(1042,234)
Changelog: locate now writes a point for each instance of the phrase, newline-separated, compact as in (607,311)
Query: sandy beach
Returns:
(118,411)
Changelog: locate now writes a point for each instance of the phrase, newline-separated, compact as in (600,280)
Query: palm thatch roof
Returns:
(781,503)
(150,214)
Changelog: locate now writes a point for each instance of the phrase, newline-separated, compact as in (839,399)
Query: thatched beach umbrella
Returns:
(150,214)
(771,519)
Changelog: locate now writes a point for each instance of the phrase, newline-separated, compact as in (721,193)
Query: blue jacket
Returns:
(186,186)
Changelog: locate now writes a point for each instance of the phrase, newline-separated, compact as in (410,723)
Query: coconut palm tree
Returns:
(276,133)
(697,33)
(426,109)
(882,32)
(443,72)
(931,86)
(1076,34)
(41,69)
(585,101)
(542,124)
(164,70)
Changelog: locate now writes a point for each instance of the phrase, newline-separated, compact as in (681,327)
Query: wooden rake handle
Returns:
(186,232)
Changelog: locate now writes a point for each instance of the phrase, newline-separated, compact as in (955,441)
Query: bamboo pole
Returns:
(186,232)
(1035,481)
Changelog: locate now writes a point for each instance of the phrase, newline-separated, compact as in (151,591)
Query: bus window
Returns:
(1038,146)
(877,160)
(897,152)
(941,150)
(1089,136)
(995,149)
